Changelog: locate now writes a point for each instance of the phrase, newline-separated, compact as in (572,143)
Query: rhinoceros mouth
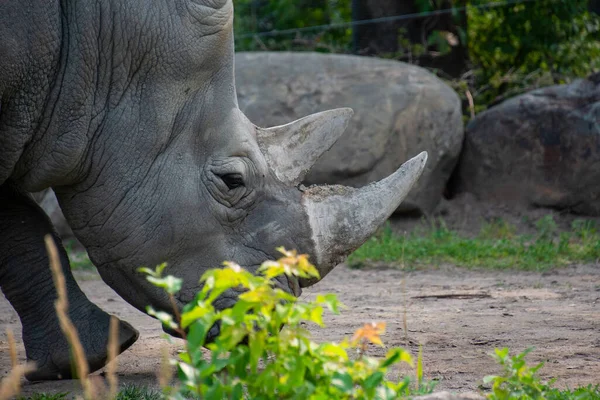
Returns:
(289,284)
(230,297)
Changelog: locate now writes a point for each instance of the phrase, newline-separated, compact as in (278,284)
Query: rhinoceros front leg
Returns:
(26,281)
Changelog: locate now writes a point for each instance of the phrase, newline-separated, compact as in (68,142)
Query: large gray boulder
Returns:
(539,149)
(400,110)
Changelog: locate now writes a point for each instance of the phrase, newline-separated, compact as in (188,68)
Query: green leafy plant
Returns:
(254,357)
(519,381)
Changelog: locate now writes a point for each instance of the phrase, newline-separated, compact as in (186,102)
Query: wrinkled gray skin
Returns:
(128,110)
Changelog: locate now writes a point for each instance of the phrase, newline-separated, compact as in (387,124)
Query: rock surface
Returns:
(539,149)
(400,110)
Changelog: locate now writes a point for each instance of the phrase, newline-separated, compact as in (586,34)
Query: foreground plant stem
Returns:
(66,325)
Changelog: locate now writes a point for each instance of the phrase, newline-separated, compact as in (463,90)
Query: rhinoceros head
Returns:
(171,170)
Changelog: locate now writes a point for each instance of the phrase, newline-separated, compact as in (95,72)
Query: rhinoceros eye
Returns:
(232,180)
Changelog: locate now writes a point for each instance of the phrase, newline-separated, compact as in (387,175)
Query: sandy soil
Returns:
(458,315)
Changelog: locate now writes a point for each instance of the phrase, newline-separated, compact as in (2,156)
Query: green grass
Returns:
(497,246)
(583,393)
(79,259)
(129,392)
(46,396)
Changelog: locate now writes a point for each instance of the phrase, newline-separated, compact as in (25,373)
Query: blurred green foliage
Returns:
(556,36)
(512,48)
(253,16)
(524,46)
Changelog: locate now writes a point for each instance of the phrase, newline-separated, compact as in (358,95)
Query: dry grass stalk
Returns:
(471,103)
(165,374)
(404,309)
(12,348)
(62,306)
(11,385)
(113,352)
(403,290)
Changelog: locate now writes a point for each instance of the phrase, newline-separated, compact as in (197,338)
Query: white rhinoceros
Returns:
(128,110)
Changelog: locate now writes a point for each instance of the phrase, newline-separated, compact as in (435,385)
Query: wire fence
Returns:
(395,18)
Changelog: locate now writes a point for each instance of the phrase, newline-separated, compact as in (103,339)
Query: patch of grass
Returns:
(497,246)
(131,392)
(46,396)
(583,393)
(79,259)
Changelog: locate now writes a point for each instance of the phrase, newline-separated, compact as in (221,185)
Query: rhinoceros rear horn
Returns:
(292,149)
(342,218)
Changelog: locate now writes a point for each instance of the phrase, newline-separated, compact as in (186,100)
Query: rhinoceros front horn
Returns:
(292,149)
(343,218)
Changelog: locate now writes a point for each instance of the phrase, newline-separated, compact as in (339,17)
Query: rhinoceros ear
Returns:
(292,149)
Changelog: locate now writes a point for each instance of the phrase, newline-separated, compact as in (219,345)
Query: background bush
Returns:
(513,49)
(509,49)
(253,16)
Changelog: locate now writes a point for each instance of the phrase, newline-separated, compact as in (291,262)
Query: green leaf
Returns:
(316,316)
(215,392)
(199,311)
(170,283)
(197,333)
(373,380)
(165,318)
(330,300)
(386,393)
(157,272)
(147,271)
(238,392)
(256,343)
(490,378)
(333,350)
(343,382)
(187,373)
(396,355)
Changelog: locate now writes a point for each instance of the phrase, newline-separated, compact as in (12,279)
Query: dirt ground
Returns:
(458,315)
